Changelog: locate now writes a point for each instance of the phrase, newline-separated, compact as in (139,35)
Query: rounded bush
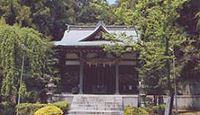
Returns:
(49,110)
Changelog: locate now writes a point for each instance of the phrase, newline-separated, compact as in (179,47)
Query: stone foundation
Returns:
(184,101)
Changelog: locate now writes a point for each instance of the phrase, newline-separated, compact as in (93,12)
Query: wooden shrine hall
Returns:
(85,68)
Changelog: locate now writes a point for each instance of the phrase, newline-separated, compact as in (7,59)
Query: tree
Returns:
(188,54)
(155,21)
(189,17)
(16,43)
(62,12)
(86,12)
(118,13)
(91,11)
(14,12)
(50,17)
(47,16)
(39,14)
(130,4)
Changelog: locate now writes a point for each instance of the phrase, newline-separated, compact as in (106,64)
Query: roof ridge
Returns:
(75,27)
(100,23)
(94,26)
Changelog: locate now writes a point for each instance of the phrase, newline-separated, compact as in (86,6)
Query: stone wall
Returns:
(184,101)
(188,101)
(130,100)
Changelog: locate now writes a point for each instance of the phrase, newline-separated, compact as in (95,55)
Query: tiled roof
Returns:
(76,35)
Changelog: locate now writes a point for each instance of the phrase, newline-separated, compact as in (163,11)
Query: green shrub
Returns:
(158,110)
(30,108)
(63,105)
(135,111)
(49,110)
(153,110)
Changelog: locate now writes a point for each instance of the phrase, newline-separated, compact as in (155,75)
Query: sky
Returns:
(111,1)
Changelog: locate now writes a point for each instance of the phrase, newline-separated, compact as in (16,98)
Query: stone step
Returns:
(93,108)
(94,112)
(96,105)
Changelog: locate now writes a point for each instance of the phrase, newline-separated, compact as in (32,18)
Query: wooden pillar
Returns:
(116,77)
(62,59)
(81,74)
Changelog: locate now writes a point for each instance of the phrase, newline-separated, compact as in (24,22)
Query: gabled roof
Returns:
(95,33)
(83,35)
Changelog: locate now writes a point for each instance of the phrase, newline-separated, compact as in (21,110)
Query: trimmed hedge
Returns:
(31,108)
(49,110)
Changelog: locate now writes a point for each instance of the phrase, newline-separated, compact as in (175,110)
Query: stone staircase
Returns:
(96,105)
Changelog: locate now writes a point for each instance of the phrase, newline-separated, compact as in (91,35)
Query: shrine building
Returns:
(85,68)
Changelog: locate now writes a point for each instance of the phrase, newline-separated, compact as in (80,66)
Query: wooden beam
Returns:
(117,77)
(81,74)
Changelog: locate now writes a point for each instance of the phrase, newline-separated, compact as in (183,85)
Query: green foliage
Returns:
(51,16)
(48,17)
(189,17)
(118,14)
(124,13)
(87,13)
(30,108)
(105,12)
(49,110)
(156,110)
(155,21)
(60,12)
(14,12)
(135,111)
(152,110)
(63,105)
(39,15)
(16,42)
(188,54)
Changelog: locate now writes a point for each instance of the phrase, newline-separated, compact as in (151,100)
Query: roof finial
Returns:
(101,23)
(68,27)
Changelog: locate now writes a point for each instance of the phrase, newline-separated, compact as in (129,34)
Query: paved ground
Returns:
(189,112)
